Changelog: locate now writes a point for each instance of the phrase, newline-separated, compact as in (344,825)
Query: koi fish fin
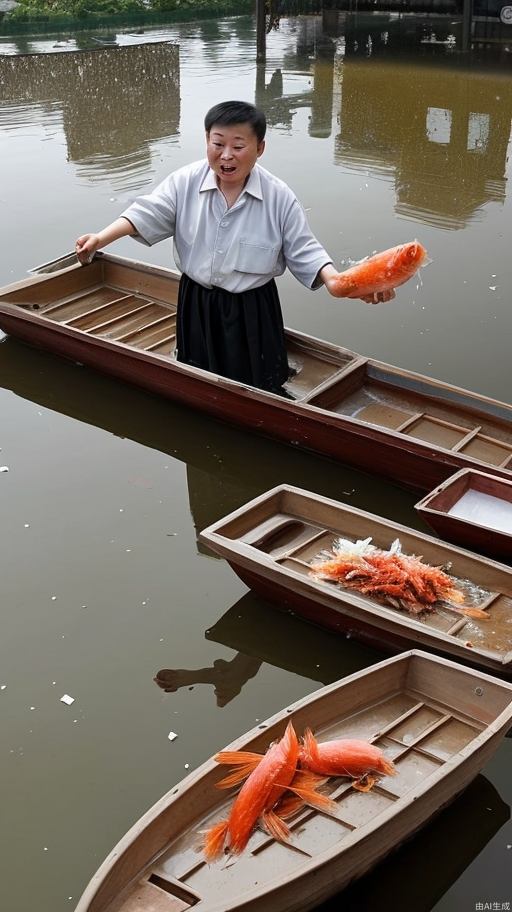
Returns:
(365,783)
(214,838)
(236,776)
(288,806)
(314,799)
(309,748)
(275,826)
(238,758)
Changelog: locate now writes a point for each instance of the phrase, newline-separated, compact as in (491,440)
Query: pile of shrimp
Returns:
(402,580)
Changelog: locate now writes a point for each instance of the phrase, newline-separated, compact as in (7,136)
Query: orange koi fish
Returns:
(383,271)
(361,761)
(269,776)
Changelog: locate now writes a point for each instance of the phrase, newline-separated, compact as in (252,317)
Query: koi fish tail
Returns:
(214,839)
(275,826)
(387,767)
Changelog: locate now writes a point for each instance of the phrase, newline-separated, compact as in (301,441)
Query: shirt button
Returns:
(220,251)
(223,224)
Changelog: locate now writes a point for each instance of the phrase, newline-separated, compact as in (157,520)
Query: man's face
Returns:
(232,152)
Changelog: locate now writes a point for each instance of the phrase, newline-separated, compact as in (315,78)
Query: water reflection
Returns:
(442,136)
(113,104)
(260,633)
(226,677)
(450,844)
(257,629)
(445,139)
(223,468)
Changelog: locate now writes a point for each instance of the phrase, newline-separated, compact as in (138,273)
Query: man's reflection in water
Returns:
(227,678)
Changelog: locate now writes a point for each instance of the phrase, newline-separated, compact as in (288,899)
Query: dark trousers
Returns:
(239,336)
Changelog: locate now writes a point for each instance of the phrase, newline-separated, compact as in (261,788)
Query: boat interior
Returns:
(128,302)
(291,528)
(420,712)
(463,483)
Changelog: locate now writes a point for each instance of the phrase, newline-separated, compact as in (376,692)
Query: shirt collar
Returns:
(253,185)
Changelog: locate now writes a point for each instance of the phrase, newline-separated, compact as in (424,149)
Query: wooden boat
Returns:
(472,509)
(439,722)
(119,316)
(271,542)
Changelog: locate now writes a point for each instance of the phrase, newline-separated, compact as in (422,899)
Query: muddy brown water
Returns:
(385,134)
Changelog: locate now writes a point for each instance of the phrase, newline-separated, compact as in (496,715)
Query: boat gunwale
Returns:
(360,833)
(229,548)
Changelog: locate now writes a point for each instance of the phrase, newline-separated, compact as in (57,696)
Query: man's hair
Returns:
(229,113)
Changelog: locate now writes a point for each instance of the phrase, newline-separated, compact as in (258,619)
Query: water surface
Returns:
(104,585)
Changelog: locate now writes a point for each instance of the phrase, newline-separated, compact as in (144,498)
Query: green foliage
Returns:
(51,16)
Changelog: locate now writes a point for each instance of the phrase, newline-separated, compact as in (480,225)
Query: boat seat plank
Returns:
(107,313)
(78,305)
(163,346)
(415,417)
(280,531)
(487,449)
(274,863)
(412,769)
(469,436)
(436,430)
(147,896)
(100,316)
(153,332)
(124,325)
(453,737)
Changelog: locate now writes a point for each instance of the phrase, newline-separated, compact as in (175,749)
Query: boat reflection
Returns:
(257,629)
(446,847)
(259,633)
(225,466)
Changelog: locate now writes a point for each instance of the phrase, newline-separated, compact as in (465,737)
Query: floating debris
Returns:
(4,468)
(67,699)
(172,736)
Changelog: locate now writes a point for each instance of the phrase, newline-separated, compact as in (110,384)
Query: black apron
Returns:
(239,336)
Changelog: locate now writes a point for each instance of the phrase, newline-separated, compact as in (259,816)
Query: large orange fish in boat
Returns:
(381,272)
(359,760)
(269,776)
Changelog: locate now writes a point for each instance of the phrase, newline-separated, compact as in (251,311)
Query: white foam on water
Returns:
(485,510)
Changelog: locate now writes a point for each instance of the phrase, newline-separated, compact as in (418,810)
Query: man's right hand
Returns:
(86,246)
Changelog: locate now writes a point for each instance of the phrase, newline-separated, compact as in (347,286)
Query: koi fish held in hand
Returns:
(380,273)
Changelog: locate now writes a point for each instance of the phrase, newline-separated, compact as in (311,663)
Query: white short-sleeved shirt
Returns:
(236,249)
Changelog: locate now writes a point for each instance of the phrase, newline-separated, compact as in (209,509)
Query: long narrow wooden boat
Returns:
(119,316)
(439,722)
(272,541)
(472,509)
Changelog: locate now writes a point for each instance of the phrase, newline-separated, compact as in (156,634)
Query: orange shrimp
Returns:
(269,776)
(392,576)
(381,272)
(361,761)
